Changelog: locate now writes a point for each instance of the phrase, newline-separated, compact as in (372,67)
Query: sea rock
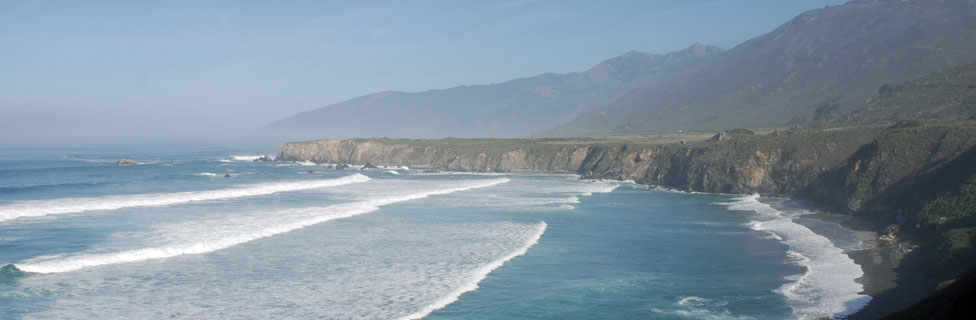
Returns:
(126,162)
(264,158)
(227,175)
(342,166)
(368,165)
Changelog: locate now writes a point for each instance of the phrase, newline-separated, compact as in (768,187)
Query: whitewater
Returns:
(828,284)
(174,239)
(39,208)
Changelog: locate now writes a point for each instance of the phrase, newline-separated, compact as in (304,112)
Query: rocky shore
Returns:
(880,175)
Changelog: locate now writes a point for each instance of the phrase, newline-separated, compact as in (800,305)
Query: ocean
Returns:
(206,232)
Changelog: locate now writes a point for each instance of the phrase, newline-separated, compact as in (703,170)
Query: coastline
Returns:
(890,273)
(880,263)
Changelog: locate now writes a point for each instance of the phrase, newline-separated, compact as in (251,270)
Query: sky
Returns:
(210,71)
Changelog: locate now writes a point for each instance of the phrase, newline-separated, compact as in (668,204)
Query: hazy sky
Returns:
(169,71)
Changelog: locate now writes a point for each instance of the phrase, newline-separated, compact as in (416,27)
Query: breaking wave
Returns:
(828,286)
(479,275)
(197,237)
(37,208)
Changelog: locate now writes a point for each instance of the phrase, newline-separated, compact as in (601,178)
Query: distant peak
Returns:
(695,50)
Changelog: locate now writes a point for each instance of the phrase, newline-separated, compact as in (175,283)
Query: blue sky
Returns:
(175,70)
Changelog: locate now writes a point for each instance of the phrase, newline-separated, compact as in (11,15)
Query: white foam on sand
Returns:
(37,208)
(828,287)
(196,237)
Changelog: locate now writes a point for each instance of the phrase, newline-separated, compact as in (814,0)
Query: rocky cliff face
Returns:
(883,173)
(541,158)
(774,164)
(889,179)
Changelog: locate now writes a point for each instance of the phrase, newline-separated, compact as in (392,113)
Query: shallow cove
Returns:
(638,253)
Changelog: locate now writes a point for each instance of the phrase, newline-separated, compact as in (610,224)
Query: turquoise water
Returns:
(174,238)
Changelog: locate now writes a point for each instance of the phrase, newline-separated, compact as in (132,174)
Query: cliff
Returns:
(476,155)
(876,172)
(894,177)
(779,163)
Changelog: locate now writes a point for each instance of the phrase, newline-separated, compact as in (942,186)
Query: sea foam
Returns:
(477,276)
(37,208)
(828,286)
(245,158)
(202,237)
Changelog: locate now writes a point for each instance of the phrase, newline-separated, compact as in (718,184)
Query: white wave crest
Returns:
(245,158)
(216,235)
(37,208)
(479,275)
(828,286)
(205,174)
(392,172)
(306,163)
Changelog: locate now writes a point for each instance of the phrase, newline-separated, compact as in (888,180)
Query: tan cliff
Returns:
(563,159)
(825,166)
(731,162)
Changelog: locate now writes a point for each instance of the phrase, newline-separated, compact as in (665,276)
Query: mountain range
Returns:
(838,55)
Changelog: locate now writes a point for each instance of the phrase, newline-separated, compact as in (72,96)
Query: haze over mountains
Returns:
(504,110)
(837,55)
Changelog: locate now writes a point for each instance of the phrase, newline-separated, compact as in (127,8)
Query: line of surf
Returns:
(37,208)
(479,275)
(216,235)
(828,286)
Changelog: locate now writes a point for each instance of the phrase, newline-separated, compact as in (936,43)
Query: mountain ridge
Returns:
(838,55)
(513,108)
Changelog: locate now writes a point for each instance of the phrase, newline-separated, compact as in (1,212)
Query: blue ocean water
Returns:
(173,237)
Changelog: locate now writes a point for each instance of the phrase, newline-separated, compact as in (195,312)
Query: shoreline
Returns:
(880,264)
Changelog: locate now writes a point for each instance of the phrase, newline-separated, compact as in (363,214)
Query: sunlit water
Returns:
(174,238)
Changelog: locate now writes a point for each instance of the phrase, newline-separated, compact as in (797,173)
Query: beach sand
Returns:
(883,265)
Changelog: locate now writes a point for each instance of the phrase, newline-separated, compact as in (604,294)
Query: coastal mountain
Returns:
(903,165)
(942,95)
(837,55)
(510,109)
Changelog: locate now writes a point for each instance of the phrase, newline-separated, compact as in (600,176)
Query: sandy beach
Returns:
(883,265)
